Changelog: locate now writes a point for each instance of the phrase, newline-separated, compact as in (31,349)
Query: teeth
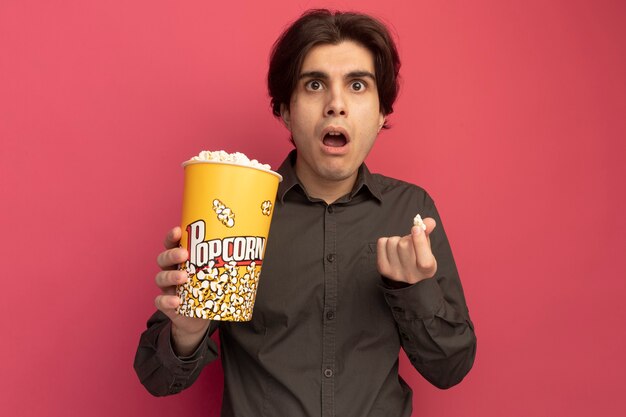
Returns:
(334,133)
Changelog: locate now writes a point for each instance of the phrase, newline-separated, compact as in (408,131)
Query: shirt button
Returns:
(331,257)
(330,209)
(328,372)
(330,315)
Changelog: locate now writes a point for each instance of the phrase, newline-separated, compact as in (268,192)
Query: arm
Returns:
(158,367)
(423,290)
(174,349)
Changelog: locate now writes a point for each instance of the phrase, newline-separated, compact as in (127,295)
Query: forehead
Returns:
(344,57)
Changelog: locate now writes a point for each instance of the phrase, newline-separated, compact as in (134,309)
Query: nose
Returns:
(336,105)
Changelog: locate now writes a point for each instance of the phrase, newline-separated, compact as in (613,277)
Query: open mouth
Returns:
(335,139)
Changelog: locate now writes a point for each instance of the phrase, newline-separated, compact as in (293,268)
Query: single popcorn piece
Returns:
(417,221)
(266,208)
(232,158)
(224,214)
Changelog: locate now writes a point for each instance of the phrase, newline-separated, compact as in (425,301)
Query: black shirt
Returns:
(326,330)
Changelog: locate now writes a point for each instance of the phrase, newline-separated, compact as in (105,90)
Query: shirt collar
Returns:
(364,182)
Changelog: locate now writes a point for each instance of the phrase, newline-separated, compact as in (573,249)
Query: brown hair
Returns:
(321,26)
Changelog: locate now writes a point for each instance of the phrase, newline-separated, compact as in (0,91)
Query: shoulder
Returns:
(403,198)
(391,187)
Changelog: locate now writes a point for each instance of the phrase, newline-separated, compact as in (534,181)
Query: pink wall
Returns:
(512,114)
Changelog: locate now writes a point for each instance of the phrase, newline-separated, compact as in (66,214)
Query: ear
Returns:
(381,120)
(284,114)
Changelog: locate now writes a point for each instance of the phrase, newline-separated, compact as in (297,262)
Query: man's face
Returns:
(334,114)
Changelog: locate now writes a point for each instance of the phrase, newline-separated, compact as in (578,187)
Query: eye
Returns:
(313,85)
(358,85)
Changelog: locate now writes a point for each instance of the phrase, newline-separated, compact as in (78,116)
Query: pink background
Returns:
(512,115)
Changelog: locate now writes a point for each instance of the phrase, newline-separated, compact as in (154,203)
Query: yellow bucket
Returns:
(226,215)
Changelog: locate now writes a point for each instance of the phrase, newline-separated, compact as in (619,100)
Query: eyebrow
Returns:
(322,75)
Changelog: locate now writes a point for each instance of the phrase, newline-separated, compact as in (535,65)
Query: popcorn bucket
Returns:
(226,215)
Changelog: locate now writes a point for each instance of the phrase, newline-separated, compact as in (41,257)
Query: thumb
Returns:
(430,225)
(425,261)
(421,239)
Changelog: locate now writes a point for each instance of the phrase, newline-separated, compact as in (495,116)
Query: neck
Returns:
(327,189)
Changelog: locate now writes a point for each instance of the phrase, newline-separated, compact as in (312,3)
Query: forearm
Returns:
(438,333)
(158,367)
(185,344)
(438,339)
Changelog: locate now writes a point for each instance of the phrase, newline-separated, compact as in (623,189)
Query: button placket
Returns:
(330,305)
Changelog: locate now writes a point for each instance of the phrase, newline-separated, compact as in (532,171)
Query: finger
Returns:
(406,253)
(166,303)
(426,262)
(167,279)
(392,253)
(381,256)
(172,240)
(171,258)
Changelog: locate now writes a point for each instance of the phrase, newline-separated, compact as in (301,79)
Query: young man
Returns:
(341,291)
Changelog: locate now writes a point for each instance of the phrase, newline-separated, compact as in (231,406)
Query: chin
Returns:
(338,175)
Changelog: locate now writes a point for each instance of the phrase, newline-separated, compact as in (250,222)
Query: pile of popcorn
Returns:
(232,158)
(226,292)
